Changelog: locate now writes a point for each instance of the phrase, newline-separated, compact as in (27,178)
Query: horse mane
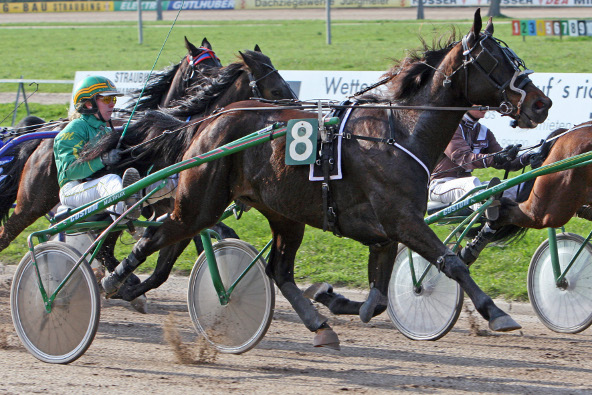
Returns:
(157,86)
(411,73)
(170,147)
(170,143)
(211,86)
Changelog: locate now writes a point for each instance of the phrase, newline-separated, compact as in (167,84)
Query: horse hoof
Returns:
(366,312)
(368,308)
(317,288)
(326,337)
(140,304)
(505,323)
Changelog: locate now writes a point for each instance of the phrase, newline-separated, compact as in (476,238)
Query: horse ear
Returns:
(475,29)
(206,44)
(249,61)
(191,48)
(257,49)
(477,24)
(489,27)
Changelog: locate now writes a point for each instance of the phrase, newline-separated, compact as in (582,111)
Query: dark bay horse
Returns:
(222,87)
(382,197)
(32,175)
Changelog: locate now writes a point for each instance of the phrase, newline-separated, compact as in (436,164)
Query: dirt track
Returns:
(130,355)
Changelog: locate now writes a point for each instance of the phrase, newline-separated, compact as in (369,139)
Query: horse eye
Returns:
(276,92)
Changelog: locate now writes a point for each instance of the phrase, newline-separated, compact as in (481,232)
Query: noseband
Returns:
(486,63)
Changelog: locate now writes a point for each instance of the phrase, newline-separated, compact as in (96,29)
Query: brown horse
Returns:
(382,197)
(553,199)
(222,87)
(548,201)
(33,170)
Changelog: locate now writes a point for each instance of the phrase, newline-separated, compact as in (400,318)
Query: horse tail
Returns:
(510,233)
(29,124)
(11,173)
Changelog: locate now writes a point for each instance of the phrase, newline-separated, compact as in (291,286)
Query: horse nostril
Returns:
(542,104)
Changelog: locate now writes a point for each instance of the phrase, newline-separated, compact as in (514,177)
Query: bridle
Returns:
(253,81)
(486,63)
(205,54)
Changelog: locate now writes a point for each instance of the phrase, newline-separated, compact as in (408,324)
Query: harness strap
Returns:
(327,161)
(391,141)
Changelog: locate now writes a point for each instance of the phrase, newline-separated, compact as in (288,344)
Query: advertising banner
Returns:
(571,94)
(57,6)
(504,3)
(133,5)
(274,4)
(201,5)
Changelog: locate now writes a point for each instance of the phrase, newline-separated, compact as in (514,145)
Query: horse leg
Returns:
(380,264)
(287,237)
(39,172)
(26,212)
(421,239)
(585,212)
(106,256)
(380,267)
(469,253)
(166,259)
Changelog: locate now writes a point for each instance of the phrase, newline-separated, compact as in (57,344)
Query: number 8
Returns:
(305,127)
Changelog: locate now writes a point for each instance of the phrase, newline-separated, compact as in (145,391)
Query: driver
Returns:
(474,146)
(94,100)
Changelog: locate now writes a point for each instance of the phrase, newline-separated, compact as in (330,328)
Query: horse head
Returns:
(264,79)
(495,76)
(190,71)
(253,76)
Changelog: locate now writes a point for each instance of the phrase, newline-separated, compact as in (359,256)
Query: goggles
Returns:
(108,99)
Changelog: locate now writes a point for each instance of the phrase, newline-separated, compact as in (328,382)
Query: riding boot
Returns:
(115,280)
(471,251)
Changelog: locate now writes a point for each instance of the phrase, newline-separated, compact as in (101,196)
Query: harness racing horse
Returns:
(550,200)
(33,169)
(382,197)
(234,82)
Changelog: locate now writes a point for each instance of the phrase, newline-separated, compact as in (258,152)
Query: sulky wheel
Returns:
(239,325)
(65,333)
(429,311)
(565,307)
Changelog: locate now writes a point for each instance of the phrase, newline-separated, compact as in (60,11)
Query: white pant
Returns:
(450,189)
(76,193)
(166,192)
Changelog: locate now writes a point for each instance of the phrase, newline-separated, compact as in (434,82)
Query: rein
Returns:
(297,106)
